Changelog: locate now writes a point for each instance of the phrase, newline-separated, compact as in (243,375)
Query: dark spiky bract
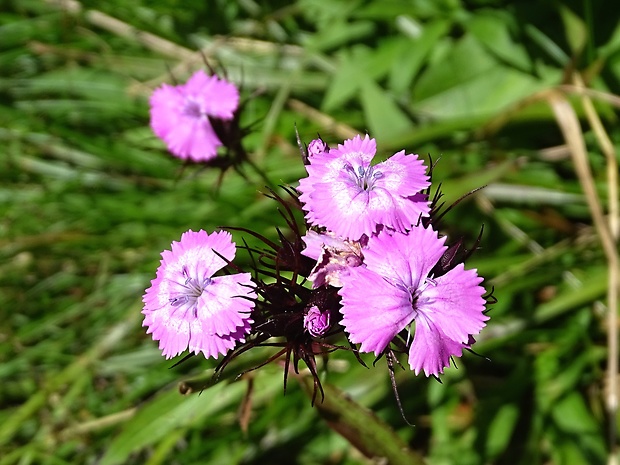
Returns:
(280,273)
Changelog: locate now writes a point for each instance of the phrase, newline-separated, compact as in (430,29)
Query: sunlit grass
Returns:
(89,198)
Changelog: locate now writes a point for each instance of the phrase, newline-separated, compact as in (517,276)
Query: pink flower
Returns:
(186,307)
(181,115)
(347,195)
(395,290)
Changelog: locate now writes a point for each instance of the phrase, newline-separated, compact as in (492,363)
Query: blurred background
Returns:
(517,96)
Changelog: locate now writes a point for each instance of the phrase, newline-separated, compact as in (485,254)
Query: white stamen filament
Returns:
(365,178)
(193,290)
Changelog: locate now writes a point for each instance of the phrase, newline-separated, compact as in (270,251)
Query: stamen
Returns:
(178,301)
(364,177)
(193,108)
(417,291)
(193,290)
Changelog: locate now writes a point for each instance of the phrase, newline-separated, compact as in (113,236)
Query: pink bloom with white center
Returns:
(187,307)
(181,115)
(347,195)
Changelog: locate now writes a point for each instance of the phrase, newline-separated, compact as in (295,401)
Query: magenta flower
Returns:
(396,289)
(181,115)
(347,195)
(187,307)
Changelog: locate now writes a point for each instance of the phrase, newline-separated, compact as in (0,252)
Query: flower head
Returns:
(347,195)
(188,307)
(396,289)
(182,115)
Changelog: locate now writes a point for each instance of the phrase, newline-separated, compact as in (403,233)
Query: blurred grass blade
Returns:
(163,416)
(14,422)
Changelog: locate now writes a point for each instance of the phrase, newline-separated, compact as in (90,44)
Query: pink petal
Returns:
(407,258)
(193,139)
(455,303)
(365,148)
(224,305)
(219,98)
(403,174)
(213,346)
(431,349)
(374,311)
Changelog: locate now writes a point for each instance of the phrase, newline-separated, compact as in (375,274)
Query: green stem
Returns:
(361,427)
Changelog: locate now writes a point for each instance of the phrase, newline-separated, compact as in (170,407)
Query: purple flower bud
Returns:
(317,147)
(317,323)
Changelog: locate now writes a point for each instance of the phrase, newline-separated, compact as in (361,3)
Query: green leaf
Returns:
(167,413)
(361,427)
(579,429)
(385,120)
(575,30)
(465,60)
(453,189)
(339,33)
(501,429)
(356,66)
(412,55)
(552,49)
(493,32)
(468,83)
(591,288)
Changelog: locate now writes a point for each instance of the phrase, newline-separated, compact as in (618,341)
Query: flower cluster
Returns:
(376,247)
(368,263)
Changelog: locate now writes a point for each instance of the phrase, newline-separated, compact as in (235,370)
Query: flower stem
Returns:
(358,425)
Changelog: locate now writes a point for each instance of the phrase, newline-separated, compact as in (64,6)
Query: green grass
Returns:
(89,198)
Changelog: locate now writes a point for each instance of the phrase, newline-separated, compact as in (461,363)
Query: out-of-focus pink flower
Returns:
(182,115)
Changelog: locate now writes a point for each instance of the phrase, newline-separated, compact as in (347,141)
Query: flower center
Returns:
(192,288)
(193,108)
(364,178)
(416,292)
